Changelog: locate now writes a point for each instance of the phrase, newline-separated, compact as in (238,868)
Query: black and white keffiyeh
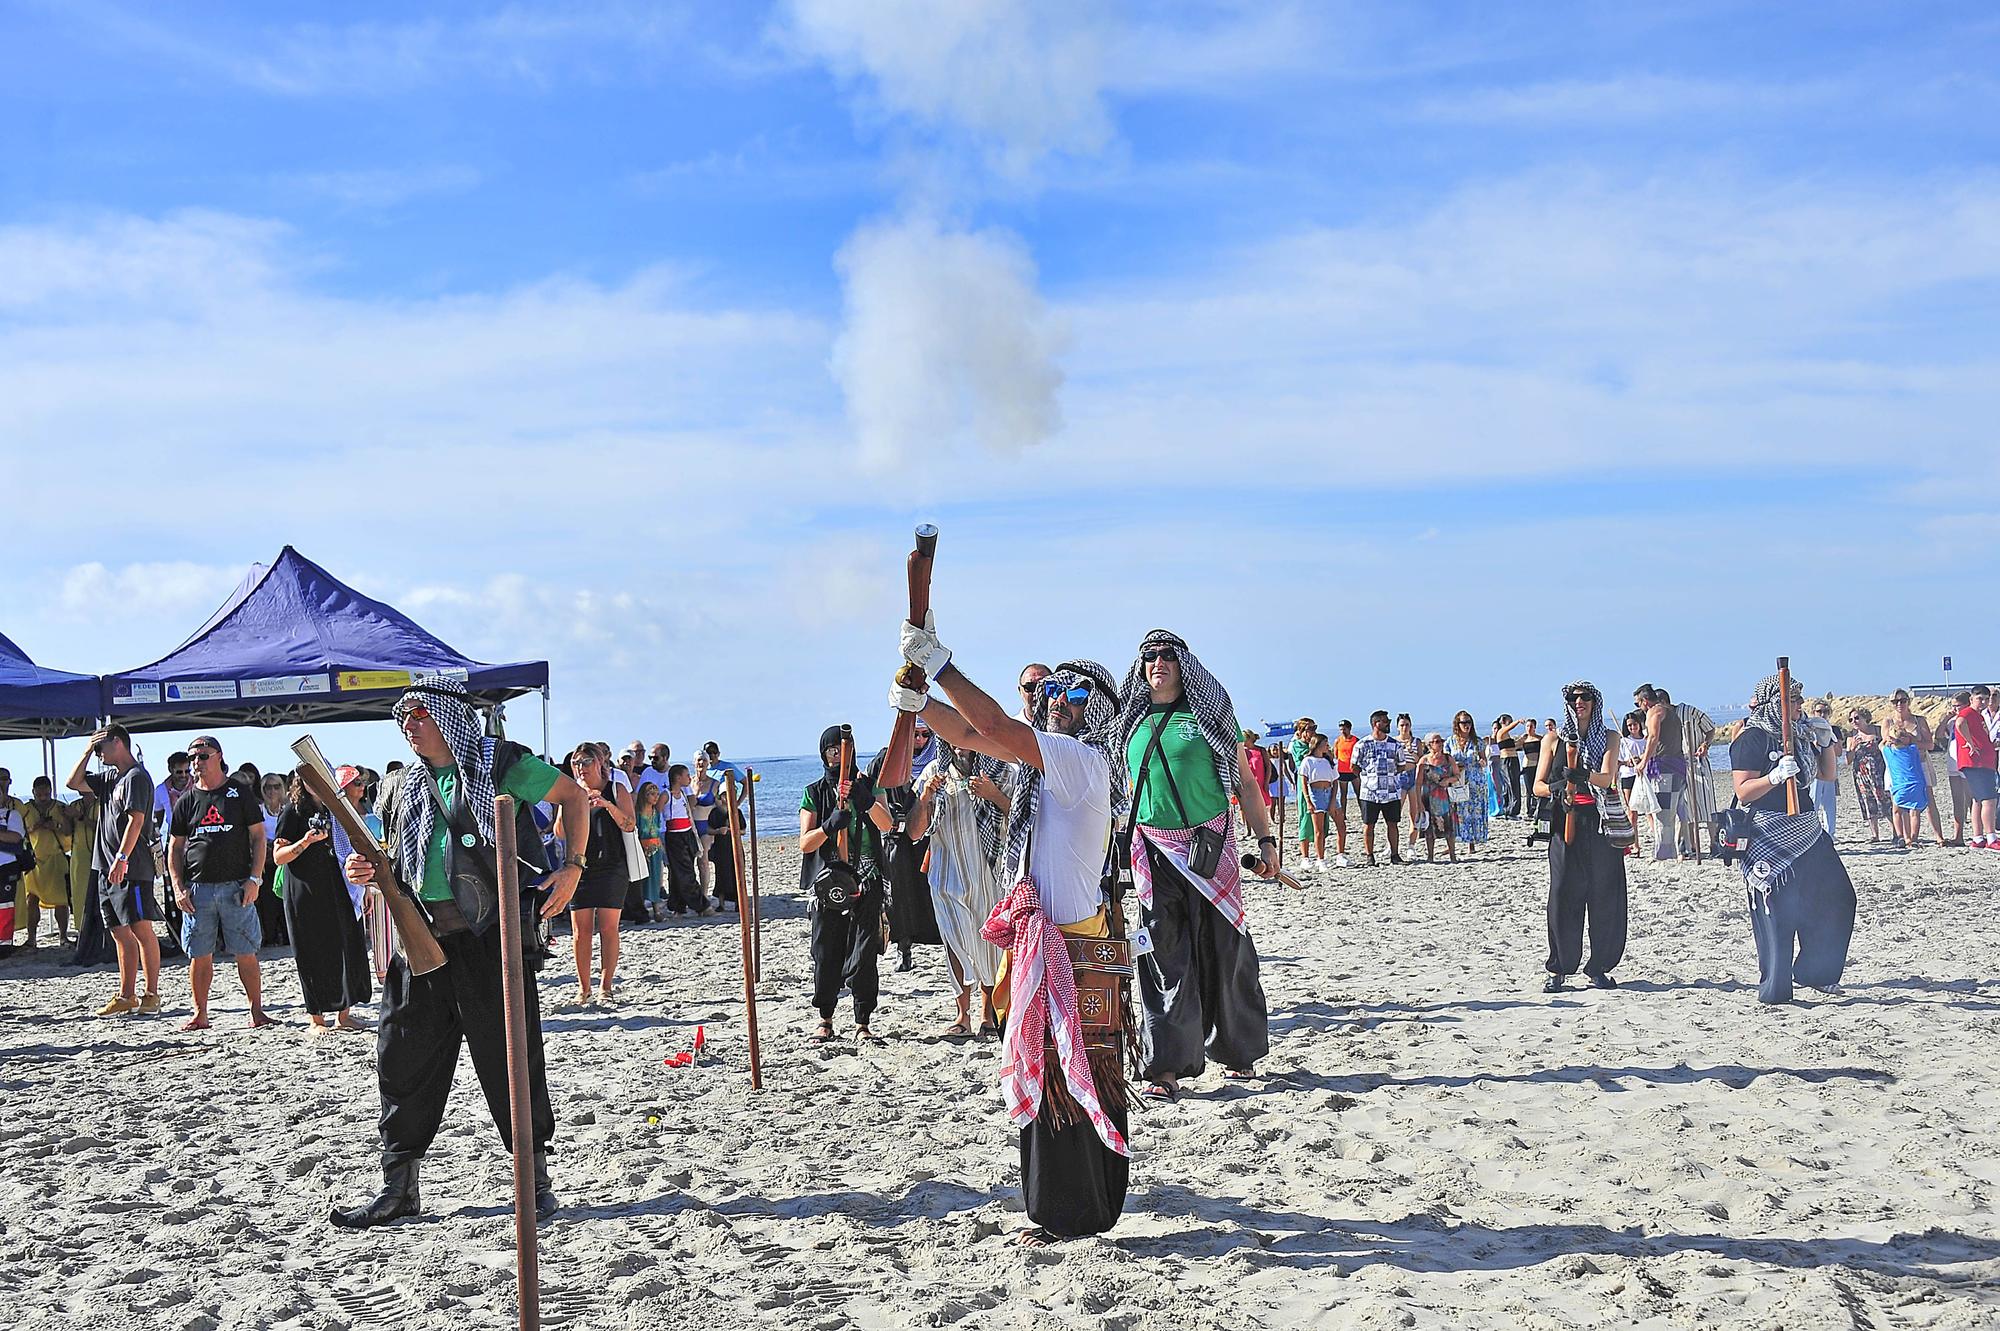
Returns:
(1589,739)
(1100,727)
(1777,840)
(1201,693)
(992,823)
(450,707)
(1768,715)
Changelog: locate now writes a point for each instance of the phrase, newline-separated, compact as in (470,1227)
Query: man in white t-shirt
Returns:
(1074,1176)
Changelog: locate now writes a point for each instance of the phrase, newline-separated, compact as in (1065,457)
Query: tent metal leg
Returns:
(545,724)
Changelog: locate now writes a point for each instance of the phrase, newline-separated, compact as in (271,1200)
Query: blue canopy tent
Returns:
(293,645)
(38,703)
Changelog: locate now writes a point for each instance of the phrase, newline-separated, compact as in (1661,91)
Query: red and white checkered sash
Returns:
(1042,982)
(1225,890)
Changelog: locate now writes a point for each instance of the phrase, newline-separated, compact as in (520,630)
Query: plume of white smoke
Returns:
(946,338)
(1023,78)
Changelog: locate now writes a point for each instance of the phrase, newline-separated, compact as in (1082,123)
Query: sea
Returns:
(781,784)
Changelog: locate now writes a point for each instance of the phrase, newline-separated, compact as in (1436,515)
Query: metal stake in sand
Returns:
(756,898)
(743,929)
(513,981)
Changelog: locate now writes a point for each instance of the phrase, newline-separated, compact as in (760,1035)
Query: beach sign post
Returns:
(513,983)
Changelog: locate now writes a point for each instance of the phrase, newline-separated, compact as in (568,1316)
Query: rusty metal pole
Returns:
(756,887)
(743,930)
(513,979)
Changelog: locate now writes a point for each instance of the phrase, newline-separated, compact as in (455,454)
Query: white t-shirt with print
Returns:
(1072,828)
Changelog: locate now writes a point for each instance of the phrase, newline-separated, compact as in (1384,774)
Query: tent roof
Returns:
(39,703)
(293,644)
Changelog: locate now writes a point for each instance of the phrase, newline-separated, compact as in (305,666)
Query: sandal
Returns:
(1239,1074)
(1035,1238)
(1161,1092)
(958,1030)
(862,1035)
(824,1035)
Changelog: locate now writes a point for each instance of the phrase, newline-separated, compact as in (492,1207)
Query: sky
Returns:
(1415,355)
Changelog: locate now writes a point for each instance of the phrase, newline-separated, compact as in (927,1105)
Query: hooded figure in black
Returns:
(841,813)
(912,917)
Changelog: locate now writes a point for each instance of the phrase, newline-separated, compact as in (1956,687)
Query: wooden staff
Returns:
(420,945)
(903,736)
(844,784)
(744,930)
(1569,810)
(527,1268)
(756,901)
(1785,740)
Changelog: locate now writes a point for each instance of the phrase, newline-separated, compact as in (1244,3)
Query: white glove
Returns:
(907,700)
(1785,770)
(922,649)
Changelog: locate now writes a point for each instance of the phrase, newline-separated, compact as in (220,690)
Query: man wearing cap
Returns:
(215,855)
(438,830)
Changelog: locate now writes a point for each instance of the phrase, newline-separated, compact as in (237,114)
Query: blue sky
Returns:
(1417,355)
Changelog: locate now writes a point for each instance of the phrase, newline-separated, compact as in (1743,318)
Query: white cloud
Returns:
(1023,76)
(162,589)
(946,339)
(513,43)
(384,187)
(1624,100)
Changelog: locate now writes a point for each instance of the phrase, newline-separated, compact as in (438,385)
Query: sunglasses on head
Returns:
(1152,654)
(1076,695)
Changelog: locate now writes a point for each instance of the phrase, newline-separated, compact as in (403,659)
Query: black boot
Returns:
(545,1193)
(397,1199)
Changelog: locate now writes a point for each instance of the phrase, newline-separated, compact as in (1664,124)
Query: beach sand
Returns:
(1434,1142)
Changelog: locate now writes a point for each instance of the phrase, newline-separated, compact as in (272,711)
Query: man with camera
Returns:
(1182,747)
(438,829)
(122,863)
(215,853)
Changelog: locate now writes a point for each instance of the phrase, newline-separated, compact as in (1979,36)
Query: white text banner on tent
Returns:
(286,686)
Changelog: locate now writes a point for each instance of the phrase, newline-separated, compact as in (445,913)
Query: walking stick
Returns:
(527,1270)
(903,736)
(1569,810)
(1787,720)
(744,930)
(756,901)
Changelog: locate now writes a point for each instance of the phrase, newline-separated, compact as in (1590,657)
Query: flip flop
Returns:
(1163,1094)
(958,1030)
(679,1060)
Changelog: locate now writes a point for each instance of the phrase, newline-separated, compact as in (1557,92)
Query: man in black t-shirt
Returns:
(215,851)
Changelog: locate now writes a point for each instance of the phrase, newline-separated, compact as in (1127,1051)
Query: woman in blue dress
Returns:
(1469,749)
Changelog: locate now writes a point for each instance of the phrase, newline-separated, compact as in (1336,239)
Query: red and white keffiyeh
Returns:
(1044,987)
(1224,891)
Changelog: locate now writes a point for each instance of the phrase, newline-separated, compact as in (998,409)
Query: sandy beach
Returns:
(1433,1143)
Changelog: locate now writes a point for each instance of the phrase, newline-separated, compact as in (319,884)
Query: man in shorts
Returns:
(1343,762)
(1378,760)
(1975,758)
(122,863)
(215,852)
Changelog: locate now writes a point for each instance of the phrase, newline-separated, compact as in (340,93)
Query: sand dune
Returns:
(1435,1143)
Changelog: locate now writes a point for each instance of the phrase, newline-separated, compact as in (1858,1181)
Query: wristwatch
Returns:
(573,862)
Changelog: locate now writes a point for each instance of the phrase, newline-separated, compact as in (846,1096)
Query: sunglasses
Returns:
(1152,654)
(200,755)
(408,708)
(1076,695)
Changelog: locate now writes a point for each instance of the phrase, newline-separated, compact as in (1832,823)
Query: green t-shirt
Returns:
(864,839)
(1192,762)
(529,780)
